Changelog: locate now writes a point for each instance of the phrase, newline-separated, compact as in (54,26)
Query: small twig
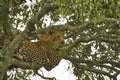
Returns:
(45,77)
(42,76)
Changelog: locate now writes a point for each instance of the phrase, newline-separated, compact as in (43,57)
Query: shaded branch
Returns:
(100,63)
(115,64)
(93,38)
(97,71)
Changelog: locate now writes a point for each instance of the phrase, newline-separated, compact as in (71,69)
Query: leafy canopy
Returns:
(92,35)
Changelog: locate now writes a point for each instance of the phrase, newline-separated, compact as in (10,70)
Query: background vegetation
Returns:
(92,32)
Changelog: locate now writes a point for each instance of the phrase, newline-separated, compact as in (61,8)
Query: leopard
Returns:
(43,52)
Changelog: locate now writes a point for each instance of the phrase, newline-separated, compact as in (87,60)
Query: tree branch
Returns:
(28,65)
(100,63)
(47,78)
(97,71)
(116,64)
(24,65)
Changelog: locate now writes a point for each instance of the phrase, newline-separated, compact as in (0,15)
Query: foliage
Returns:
(20,74)
(92,38)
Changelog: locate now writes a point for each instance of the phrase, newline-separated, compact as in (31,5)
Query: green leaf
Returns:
(62,53)
(87,77)
(88,48)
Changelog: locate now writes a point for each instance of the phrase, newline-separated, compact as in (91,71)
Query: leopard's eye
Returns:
(51,32)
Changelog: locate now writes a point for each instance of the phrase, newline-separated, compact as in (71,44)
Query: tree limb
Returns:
(100,63)
(97,71)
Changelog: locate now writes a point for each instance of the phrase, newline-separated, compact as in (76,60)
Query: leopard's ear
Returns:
(50,32)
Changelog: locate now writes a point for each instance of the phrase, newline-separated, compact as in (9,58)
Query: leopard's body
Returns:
(43,52)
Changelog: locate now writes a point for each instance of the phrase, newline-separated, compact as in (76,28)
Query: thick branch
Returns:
(65,27)
(115,64)
(25,65)
(47,8)
(93,38)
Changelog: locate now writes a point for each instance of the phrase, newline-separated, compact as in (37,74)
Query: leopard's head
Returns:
(54,37)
